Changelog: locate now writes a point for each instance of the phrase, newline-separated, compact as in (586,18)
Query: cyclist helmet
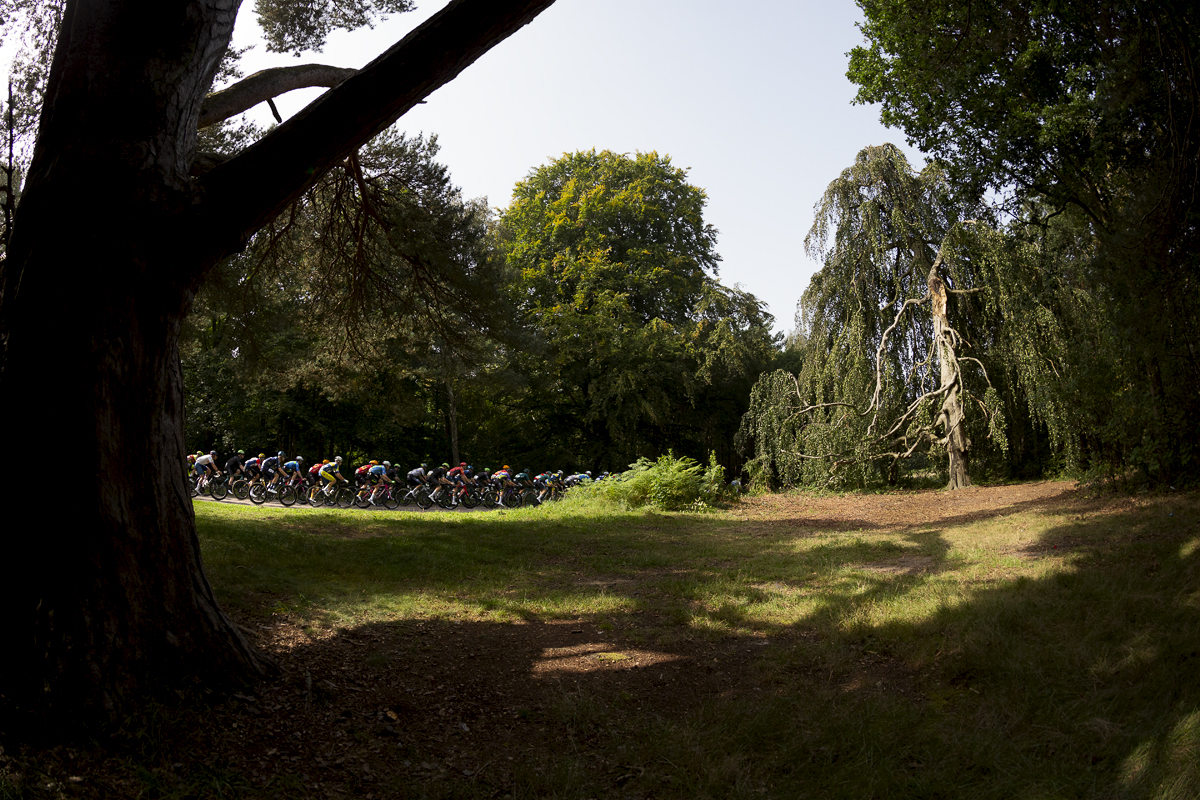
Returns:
(506,466)
(280,455)
(445,465)
(387,464)
(212,453)
(462,464)
(337,459)
(424,465)
(262,455)
(299,459)
(241,452)
(374,463)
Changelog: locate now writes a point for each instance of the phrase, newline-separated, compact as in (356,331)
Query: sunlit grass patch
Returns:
(1032,653)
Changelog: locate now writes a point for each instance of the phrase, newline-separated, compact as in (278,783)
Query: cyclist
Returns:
(438,476)
(416,476)
(551,482)
(378,478)
(293,468)
(253,468)
(270,469)
(206,463)
(332,474)
(314,474)
(362,474)
(236,464)
(458,477)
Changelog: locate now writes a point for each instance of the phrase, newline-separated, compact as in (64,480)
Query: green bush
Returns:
(667,483)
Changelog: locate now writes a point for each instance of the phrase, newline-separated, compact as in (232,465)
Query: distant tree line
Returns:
(384,315)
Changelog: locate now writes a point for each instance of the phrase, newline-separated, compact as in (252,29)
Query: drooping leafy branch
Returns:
(885,372)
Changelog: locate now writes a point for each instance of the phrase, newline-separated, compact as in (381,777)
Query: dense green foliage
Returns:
(386,316)
(667,483)
(1083,116)
(893,337)
(330,333)
(1082,313)
(642,349)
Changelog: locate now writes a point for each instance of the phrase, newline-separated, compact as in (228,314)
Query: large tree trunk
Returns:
(105,588)
(104,591)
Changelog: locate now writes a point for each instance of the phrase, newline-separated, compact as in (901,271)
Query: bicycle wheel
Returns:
(470,499)
(362,498)
(491,498)
(529,498)
(240,489)
(390,500)
(423,499)
(194,486)
(511,499)
(258,494)
(344,497)
(219,489)
(287,496)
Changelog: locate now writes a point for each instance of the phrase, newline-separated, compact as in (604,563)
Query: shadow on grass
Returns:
(683,657)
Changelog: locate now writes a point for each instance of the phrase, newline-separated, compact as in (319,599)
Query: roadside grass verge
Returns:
(1030,654)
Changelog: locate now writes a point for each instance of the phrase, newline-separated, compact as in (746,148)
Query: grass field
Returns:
(1034,650)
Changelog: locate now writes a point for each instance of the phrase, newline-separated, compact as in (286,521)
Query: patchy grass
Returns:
(801,646)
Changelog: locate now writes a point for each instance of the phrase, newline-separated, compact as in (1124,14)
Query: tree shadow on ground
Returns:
(1080,682)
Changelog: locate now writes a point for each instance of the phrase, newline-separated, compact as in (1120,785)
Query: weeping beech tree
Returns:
(889,369)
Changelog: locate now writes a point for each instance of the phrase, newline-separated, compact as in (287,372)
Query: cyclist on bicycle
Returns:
(236,464)
(253,468)
(206,467)
(363,473)
(271,467)
(332,474)
(293,468)
(417,476)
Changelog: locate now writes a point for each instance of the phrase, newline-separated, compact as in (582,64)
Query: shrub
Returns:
(668,483)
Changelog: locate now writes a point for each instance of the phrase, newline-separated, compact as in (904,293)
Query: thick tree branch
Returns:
(245,193)
(267,85)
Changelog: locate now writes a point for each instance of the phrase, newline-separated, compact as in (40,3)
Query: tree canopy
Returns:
(1085,114)
(616,272)
(891,365)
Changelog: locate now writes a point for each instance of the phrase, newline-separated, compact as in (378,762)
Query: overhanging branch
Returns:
(245,193)
(267,85)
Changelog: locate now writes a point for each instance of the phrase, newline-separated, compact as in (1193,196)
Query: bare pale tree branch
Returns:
(266,85)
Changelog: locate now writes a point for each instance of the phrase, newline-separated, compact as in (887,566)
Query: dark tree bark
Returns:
(105,592)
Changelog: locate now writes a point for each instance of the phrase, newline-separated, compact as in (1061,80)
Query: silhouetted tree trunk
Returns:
(105,592)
